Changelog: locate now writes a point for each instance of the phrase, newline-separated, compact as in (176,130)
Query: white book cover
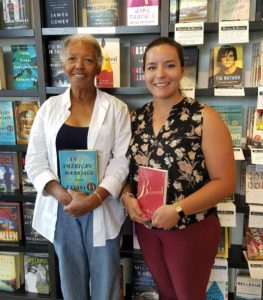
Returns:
(254,185)
(233,10)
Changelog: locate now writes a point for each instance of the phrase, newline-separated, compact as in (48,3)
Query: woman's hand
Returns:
(132,206)
(165,217)
(81,203)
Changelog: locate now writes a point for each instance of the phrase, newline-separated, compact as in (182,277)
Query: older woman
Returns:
(84,228)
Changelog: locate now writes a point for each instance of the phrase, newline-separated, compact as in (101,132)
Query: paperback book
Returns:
(109,76)
(24,67)
(10,222)
(192,11)
(217,290)
(102,13)
(36,272)
(223,244)
(27,186)
(78,170)
(254,239)
(16,14)
(174,11)
(152,188)
(7,123)
(60,13)
(190,67)
(10,175)
(254,185)
(234,10)
(25,112)
(2,70)
(141,13)
(56,73)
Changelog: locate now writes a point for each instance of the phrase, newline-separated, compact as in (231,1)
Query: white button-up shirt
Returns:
(109,134)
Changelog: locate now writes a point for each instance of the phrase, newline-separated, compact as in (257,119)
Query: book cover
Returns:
(223,243)
(78,170)
(31,235)
(254,239)
(7,124)
(234,10)
(144,286)
(228,66)
(257,130)
(101,13)
(25,112)
(24,67)
(109,76)
(137,48)
(27,186)
(174,11)
(10,222)
(2,70)
(60,13)
(10,271)
(142,12)
(57,76)
(10,175)
(152,188)
(36,272)
(217,290)
(16,14)
(190,67)
(192,11)
(254,185)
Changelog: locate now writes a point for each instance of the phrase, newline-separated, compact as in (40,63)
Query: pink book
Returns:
(152,188)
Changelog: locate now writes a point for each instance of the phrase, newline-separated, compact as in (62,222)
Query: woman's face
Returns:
(228,60)
(81,66)
(163,71)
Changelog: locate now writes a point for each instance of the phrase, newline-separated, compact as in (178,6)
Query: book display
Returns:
(30,70)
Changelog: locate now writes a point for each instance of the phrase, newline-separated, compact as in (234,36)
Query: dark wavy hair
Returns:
(224,50)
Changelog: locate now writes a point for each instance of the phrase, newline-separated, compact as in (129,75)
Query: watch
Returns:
(182,215)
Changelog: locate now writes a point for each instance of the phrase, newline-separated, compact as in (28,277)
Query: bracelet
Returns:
(181,213)
(124,195)
(98,195)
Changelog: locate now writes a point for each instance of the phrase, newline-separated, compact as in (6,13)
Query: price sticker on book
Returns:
(231,32)
(255,216)
(189,33)
(238,153)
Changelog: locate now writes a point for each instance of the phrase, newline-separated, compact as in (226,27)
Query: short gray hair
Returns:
(85,38)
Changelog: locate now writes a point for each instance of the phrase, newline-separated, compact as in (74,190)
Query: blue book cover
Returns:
(9,172)
(78,170)
(7,123)
(24,67)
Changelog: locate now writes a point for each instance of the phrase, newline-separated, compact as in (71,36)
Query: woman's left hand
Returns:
(81,204)
(165,217)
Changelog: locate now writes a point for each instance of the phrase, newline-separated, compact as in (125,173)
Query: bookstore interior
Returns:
(223,53)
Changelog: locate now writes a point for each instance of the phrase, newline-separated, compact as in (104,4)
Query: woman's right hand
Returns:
(132,206)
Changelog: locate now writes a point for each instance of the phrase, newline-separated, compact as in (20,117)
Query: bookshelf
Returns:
(41,35)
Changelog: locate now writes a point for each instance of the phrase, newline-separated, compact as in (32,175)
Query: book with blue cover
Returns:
(24,67)
(7,123)
(78,170)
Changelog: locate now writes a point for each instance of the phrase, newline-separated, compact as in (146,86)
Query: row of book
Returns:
(70,13)
(16,121)
(29,269)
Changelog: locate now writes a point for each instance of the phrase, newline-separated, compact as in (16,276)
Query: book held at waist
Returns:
(152,188)
(78,170)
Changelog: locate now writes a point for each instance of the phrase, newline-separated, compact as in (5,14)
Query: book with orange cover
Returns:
(152,188)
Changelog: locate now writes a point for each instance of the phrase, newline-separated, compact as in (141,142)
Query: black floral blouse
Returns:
(176,148)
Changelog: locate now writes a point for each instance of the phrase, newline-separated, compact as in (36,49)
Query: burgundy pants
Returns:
(180,261)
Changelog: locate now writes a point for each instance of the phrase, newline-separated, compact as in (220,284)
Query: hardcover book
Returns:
(144,286)
(78,170)
(109,76)
(10,222)
(192,11)
(190,67)
(27,186)
(137,48)
(152,188)
(7,124)
(102,13)
(24,67)
(60,13)
(223,244)
(228,65)
(2,70)
(174,11)
(254,239)
(56,72)
(25,112)
(10,179)
(254,185)
(141,12)
(234,10)
(11,271)
(31,235)
(16,14)
(217,290)
(36,272)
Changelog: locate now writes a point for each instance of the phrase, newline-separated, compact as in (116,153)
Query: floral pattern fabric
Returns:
(176,148)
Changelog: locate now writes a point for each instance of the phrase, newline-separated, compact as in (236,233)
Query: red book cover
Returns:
(152,188)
